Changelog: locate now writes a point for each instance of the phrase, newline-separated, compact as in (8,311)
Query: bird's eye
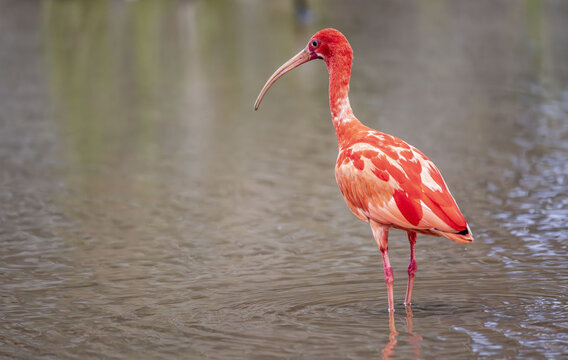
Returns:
(314,43)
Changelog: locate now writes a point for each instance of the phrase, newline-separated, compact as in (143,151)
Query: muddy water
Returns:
(147,211)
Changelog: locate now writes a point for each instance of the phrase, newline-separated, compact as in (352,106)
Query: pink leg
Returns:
(411,268)
(380,232)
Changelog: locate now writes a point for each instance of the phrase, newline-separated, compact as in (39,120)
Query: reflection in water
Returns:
(388,351)
(146,209)
(413,339)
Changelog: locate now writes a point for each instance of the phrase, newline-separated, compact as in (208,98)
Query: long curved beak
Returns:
(300,58)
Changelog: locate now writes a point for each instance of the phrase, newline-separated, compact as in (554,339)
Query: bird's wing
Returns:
(385,179)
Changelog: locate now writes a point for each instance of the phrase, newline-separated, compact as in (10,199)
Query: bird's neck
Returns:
(341,113)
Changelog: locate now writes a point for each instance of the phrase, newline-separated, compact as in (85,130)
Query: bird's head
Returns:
(326,44)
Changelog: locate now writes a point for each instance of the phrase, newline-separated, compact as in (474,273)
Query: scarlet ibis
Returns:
(384,181)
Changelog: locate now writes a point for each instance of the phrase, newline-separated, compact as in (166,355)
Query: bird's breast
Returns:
(362,180)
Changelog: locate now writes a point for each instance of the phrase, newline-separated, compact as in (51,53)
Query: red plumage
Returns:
(384,180)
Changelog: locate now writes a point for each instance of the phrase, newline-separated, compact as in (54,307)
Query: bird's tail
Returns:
(462,237)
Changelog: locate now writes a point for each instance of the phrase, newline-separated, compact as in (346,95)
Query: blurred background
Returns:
(147,211)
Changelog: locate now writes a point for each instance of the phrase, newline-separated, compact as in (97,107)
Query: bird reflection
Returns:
(413,339)
(388,351)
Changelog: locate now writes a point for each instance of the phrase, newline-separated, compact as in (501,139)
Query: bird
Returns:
(385,181)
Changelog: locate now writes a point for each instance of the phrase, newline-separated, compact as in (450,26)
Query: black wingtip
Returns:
(464,232)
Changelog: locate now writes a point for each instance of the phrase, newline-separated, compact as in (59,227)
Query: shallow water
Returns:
(146,210)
